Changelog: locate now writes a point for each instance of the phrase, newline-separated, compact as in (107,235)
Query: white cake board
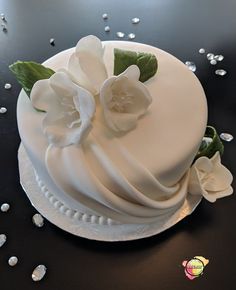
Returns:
(85,229)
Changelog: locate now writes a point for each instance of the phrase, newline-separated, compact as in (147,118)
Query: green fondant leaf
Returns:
(146,62)
(28,73)
(209,149)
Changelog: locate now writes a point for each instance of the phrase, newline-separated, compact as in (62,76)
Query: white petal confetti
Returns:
(39,273)
(107,28)
(7,86)
(13,261)
(5,207)
(38,220)
(135,20)
(131,36)
(191,65)
(202,50)
(226,137)
(220,72)
(120,34)
(3,239)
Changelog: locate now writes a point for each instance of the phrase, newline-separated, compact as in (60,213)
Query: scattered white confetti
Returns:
(13,261)
(3,239)
(5,207)
(3,110)
(131,36)
(210,56)
(7,86)
(135,20)
(202,50)
(218,57)
(52,41)
(220,72)
(107,28)
(213,62)
(120,34)
(104,15)
(38,220)
(39,273)
(226,137)
(191,65)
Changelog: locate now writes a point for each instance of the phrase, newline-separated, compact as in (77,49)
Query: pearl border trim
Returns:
(71,213)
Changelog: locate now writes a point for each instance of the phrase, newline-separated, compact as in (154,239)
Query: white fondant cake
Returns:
(131,177)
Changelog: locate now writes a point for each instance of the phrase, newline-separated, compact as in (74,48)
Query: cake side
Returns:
(130,175)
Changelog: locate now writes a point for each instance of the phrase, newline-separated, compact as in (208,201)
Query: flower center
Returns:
(120,102)
(71,115)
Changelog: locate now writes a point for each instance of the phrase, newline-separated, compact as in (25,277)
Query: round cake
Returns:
(131,177)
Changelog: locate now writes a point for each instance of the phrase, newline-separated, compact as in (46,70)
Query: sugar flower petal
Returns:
(124,99)
(210,178)
(86,64)
(69,109)
(42,96)
(132,72)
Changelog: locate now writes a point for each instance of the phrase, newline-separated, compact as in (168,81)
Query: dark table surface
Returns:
(180,27)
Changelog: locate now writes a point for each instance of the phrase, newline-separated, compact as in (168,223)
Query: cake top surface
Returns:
(175,121)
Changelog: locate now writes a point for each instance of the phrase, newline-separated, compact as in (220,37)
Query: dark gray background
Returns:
(180,27)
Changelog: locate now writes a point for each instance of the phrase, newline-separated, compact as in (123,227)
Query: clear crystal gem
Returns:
(218,57)
(213,62)
(3,110)
(4,28)
(3,239)
(120,34)
(135,20)
(39,273)
(107,28)
(191,65)
(52,41)
(104,15)
(5,207)
(7,86)
(202,50)
(210,56)
(220,72)
(226,137)
(131,36)
(13,261)
(38,220)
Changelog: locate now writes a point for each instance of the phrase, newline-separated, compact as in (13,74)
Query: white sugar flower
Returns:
(124,99)
(86,66)
(69,109)
(210,178)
